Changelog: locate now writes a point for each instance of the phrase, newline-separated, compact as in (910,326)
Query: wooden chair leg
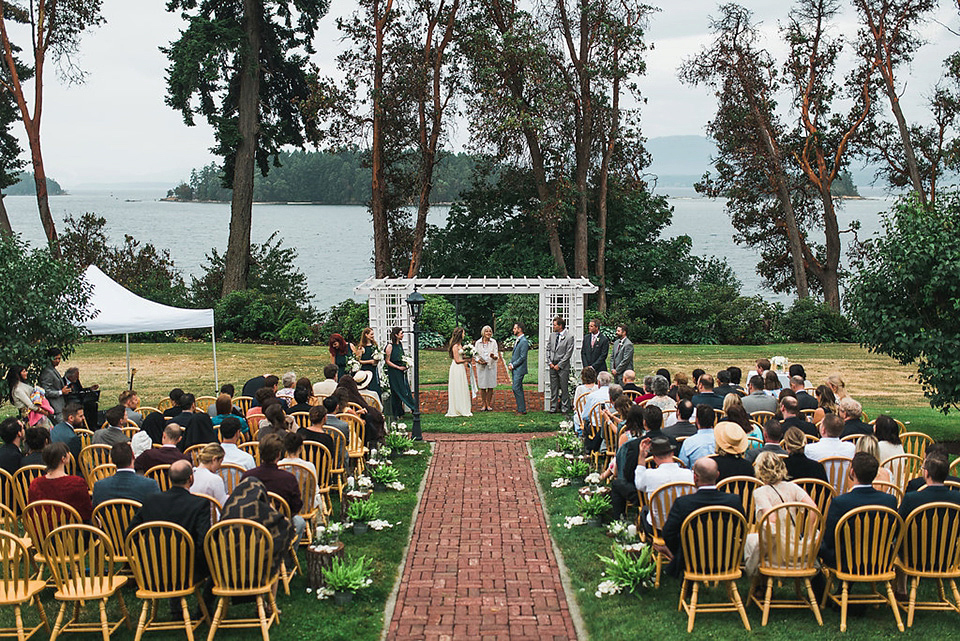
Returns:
(104,624)
(187,621)
(826,590)
(893,604)
(845,593)
(768,596)
(216,619)
(813,602)
(203,606)
(912,601)
(123,609)
(59,622)
(693,606)
(956,594)
(43,613)
(21,636)
(739,604)
(264,626)
(142,624)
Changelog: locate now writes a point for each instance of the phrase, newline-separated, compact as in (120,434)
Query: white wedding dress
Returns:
(459,401)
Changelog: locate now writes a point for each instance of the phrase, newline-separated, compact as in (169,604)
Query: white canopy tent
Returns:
(117,310)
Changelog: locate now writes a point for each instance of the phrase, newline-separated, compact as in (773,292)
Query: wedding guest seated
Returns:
(869,445)
(630,382)
(305,382)
(852,413)
(682,427)
(251,386)
(696,374)
(888,437)
(293,451)
(772,433)
(679,380)
(796,371)
(830,444)
(731,444)
(647,389)
(660,386)
(285,393)
(229,391)
(261,398)
(229,434)
(805,401)
(278,481)
(790,410)
(63,432)
(705,476)
(223,408)
(588,383)
(653,426)
(166,454)
(188,405)
(938,450)
(723,386)
(703,442)
(771,384)
(275,421)
(205,477)
(826,403)
(864,468)
(36,439)
(125,482)
(175,394)
(934,473)
(650,480)
(327,386)
(131,402)
(625,462)
(86,397)
(799,466)
(197,426)
(600,395)
(315,432)
(113,432)
(300,396)
(374,425)
(735,375)
(756,400)
(57,485)
(11,432)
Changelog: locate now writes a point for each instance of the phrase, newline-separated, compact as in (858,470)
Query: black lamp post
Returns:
(415,302)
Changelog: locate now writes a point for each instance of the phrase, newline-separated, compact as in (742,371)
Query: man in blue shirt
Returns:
(702,443)
(64,431)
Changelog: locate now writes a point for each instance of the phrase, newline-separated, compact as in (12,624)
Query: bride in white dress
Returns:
(459,401)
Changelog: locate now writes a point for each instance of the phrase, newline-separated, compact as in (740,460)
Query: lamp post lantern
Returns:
(415,302)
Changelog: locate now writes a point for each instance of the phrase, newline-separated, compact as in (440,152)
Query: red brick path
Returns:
(481,564)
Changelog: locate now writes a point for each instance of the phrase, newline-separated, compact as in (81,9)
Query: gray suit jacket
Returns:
(560,354)
(52,384)
(622,358)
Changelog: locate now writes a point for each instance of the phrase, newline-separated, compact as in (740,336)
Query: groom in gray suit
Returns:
(518,366)
(559,352)
(622,359)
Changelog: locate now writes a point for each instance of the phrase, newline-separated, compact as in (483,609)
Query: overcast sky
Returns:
(115,128)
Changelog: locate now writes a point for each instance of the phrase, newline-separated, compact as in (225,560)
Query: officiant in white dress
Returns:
(487,356)
(459,400)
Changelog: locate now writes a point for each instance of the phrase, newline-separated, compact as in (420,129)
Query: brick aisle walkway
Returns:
(480,564)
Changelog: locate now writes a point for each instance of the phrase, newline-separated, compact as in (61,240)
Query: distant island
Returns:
(28,187)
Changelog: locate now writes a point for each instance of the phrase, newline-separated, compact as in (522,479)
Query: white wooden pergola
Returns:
(562,297)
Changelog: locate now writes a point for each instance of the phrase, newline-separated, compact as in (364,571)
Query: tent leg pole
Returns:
(129,381)
(216,374)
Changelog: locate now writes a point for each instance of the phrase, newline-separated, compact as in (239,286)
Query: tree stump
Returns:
(318,561)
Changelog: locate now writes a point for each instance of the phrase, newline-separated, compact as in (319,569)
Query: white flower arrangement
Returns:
(396,485)
(356,494)
(406,360)
(327,536)
(779,363)
(624,533)
(572,521)
(365,482)
(607,587)
(411,452)
(379,524)
(467,352)
(351,482)
(560,482)
(377,355)
(632,547)
(322,593)
(353,365)
(553,454)
(566,425)
(592,479)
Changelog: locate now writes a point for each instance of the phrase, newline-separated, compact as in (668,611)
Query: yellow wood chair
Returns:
(10,523)
(578,406)
(146,411)
(651,464)
(99,473)
(86,437)
(632,394)
(322,460)
(253,423)
(159,474)
(915,443)
(889,488)
(194,453)
(302,419)
(92,457)
(131,430)
(711,540)
(610,439)
(955,467)
(754,442)
(113,517)
(313,401)
(338,472)
(22,480)
(215,507)
(666,414)
(594,430)
(17,587)
(718,415)
(931,550)
(165,404)
(808,414)
(243,402)
(239,554)
(286,574)
(204,402)
(836,468)
(789,539)
(81,561)
(852,438)
(356,407)
(744,487)
(307,482)
(660,503)
(253,449)
(820,491)
(162,558)
(372,400)
(40,518)
(867,540)
(231,474)
(355,448)
(811,439)
(761,417)
(903,468)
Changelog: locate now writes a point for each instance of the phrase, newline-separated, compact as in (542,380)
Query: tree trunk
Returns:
(830,279)
(237,260)
(5,227)
(547,200)
(423,208)
(43,201)
(908,154)
(378,209)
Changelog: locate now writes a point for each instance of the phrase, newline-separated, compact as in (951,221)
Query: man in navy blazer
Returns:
(595,346)
(705,474)
(864,468)
(125,483)
(518,366)
(934,472)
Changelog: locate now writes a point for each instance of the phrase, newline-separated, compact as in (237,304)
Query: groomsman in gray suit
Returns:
(622,359)
(518,366)
(559,352)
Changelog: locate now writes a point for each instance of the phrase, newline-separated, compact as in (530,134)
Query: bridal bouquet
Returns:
(377,355)
(353,365)
(407,361)
(468,352)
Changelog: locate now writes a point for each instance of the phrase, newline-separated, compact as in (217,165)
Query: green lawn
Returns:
(654,614)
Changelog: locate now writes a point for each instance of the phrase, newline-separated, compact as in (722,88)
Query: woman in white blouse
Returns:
(205,477)
(487,358)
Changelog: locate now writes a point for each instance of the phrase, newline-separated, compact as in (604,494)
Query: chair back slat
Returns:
(204,402)
(165,404)
(93,456)
(662,500)
(253,449)
(14,565)
(339,446)
(22,480)
(231,474)
(789,539)
(595,428)
(40,518)
(836,468)
(160,474)
(302,419)
(81,561)
(915,443)
(215,506)
(239,554)
(194,453)
(889,488)
(742,486)
(903,468)
(931,540)
(821,492)
(86,437)
(712,542)
(357,434)
(99,473)
(372,400)
(161,555)
(867,540)
(243,402)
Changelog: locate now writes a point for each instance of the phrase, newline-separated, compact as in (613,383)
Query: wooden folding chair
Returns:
(239,554)
(660,503)
(821,492)
(808,414)
(931,550)
(302,419)
(915,443)
(253,423)
(836,468)
(867,540)
(146,411)
(113,517)
(161,555)
(743,486)
(712,543)
(307,482)
(22,480)
(159,473)
(355,447)
(231,475)
(81,560)
(130,430)
(17,587)
(789,539)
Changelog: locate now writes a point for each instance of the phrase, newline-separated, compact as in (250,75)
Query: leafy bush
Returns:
(252,315)
(593,506)
(630,573)
(439,315)
(810,321)
(525,309)
(575,470)
(297,332)
(348,318)
(348,576)
(363,511)
(384,474)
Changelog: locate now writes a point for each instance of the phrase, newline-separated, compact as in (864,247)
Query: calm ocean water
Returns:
(335,242)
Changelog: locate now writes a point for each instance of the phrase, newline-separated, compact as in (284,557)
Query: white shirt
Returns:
(827,447)
(599,395)
(206,482)
(236,456)
(650,481)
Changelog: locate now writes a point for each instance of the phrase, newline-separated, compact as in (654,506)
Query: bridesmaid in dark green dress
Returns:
(339,348)
(396,373)
(367,346)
